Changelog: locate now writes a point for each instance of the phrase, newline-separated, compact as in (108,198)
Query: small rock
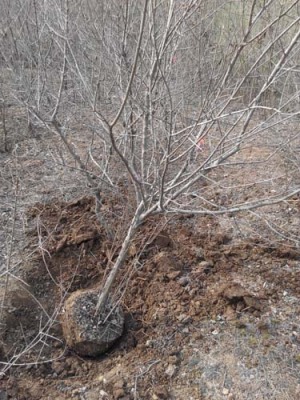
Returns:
(173,275)
(170,371)
(225,391)
(184,318)
(193,362)
(183,281)
(57,344)
(192,292)
(173,360)
(103,395)
(112,376)
(199,254)
(205,266)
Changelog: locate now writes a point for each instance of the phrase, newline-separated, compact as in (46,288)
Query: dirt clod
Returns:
(238,295)
(161,393)
(118,393)
(86,332)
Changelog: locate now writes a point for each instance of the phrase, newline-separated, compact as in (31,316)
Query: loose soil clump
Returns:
(86,331)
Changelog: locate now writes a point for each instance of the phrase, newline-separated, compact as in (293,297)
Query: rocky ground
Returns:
(211,311)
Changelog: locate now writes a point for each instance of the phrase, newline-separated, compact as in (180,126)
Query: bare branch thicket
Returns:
(174,94)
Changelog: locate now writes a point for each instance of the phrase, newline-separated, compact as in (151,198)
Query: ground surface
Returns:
(212,311)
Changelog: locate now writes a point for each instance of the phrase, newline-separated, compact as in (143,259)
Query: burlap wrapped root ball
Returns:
(85,331)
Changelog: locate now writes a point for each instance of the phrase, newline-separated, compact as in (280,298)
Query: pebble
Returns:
(205,265)
(173,360)
(184,318)
(170,371)
(173,275)
(183,281)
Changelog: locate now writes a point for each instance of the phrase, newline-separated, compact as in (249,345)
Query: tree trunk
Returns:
(120,260)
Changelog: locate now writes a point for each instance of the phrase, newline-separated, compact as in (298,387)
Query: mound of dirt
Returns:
(183,284)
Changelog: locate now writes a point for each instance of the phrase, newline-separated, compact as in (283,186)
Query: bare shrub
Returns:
(175,95)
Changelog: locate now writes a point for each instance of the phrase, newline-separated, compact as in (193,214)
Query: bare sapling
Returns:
(174,96)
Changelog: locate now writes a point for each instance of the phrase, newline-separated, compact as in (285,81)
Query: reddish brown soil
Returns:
(185,286)
(211,304)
